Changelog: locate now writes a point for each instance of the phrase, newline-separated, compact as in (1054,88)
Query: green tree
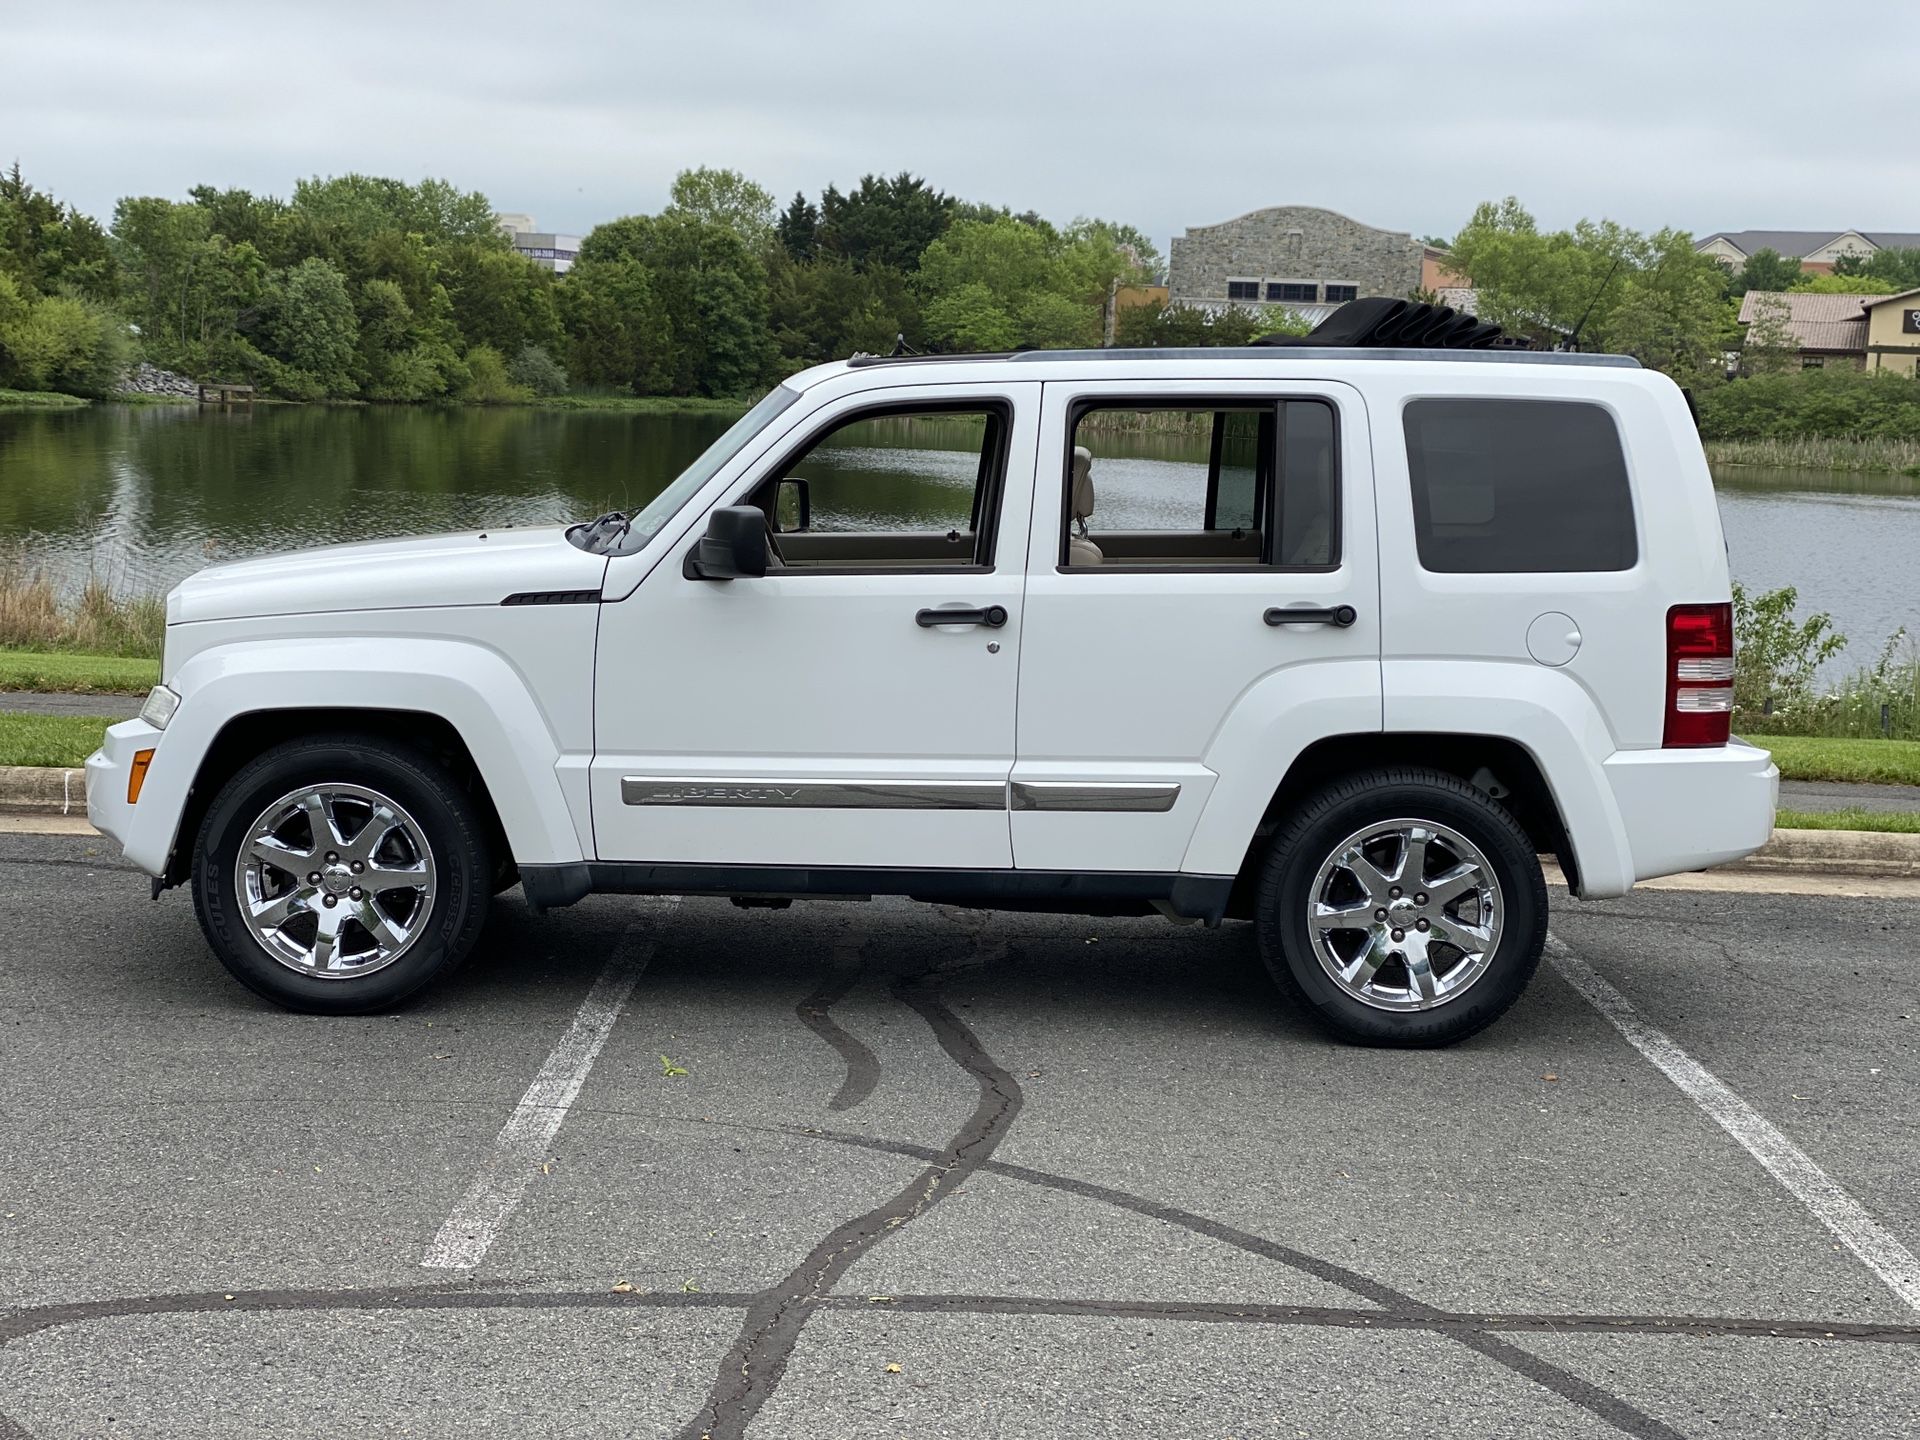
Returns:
(1899,268)
(711,289)
(1765,269)
(312,329)
(726,198)
(798,228)
(997,284)
(1143,326)
(1770,347)
(1837,284)
(884,222)
(826,309)
(617,332)
(47,246)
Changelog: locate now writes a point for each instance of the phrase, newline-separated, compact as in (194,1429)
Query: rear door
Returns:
(1217,507)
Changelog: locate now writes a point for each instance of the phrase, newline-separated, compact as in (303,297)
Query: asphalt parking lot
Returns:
(657,1169)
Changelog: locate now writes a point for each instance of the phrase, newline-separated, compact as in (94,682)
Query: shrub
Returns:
(1812,403)
(538,371)
(487,379)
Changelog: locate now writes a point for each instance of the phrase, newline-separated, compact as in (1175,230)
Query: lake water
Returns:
(144,496)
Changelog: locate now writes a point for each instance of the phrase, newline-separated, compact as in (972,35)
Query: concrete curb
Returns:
(27,790)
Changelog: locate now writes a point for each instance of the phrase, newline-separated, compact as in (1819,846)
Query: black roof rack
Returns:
(1381,322)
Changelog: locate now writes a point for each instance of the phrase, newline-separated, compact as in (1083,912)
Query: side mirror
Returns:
(734,547)
(793,505)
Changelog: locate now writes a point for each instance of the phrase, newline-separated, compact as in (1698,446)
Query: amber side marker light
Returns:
(137,775)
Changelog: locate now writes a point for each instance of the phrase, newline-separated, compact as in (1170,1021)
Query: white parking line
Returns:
(483,1212)
(1782,1159)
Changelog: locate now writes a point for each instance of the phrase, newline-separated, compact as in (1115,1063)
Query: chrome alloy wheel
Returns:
(335,881)
(1405,914)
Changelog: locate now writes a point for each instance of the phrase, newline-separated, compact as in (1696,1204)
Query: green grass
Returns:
(1866,453)
(1879,762)
(76,674)
(1884,821)
(60,740)
(38,400)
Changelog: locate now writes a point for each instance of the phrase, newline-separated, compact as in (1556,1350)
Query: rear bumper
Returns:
(107,807)
(1693,809)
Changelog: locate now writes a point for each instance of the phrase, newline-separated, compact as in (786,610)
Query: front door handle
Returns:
(992,616)
(1340,615)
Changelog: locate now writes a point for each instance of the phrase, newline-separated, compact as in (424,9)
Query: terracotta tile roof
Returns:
(1816,322)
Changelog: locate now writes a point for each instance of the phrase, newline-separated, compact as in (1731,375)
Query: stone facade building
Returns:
(1307,259)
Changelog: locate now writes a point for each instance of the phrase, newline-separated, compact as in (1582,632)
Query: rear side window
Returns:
(1518,486)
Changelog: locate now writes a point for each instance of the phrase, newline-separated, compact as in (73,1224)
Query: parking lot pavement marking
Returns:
(483,1212)
(1832,1206)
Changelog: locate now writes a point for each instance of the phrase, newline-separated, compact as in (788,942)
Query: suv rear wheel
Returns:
(1402,907)
(339,874)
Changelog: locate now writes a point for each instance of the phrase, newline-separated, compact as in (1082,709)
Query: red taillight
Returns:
(1699,675)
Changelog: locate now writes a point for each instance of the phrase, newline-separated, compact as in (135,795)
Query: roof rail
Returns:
(1269,355)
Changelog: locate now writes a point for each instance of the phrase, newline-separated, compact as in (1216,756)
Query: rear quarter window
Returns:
(1518,486)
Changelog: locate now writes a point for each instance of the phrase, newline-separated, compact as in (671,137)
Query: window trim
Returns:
(989,491)
(1082,405)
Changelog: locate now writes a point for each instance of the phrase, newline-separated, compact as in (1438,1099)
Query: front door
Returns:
(1174,530)
(824,714)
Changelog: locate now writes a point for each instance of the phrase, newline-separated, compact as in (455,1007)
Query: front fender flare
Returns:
(475,689)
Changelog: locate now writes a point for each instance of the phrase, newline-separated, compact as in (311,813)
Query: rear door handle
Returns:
(1340,615)
(992,616)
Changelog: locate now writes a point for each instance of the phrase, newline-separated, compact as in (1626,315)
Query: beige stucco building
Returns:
(1893,332)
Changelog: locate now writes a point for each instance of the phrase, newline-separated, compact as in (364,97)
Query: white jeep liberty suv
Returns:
(988,630)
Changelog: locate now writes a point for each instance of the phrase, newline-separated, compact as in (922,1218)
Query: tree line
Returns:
(377,289)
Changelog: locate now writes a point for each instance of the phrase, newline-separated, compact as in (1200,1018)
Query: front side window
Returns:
(893,489)
(1518,487)
(1229,484)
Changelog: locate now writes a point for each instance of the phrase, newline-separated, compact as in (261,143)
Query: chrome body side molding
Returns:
(1121,795)
(708,791)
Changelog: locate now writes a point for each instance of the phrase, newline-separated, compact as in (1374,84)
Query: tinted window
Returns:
(1515,486)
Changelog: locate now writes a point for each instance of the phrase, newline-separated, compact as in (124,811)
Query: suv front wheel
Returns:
(339,874)
(1402,907)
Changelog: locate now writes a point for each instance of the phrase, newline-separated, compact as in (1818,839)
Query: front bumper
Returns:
(108,769)
(1693,809)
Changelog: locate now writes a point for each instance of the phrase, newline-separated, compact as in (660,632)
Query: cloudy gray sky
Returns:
(1701,114)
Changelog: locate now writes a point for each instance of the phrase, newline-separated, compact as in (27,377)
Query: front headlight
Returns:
(161,703)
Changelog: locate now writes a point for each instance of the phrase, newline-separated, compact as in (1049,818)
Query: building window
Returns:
(1243,289)
(1292,290)
(1340,294)
(1813,362)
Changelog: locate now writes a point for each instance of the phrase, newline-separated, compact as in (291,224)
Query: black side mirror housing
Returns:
(734,547)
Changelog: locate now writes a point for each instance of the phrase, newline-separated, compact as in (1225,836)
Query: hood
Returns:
(471,568)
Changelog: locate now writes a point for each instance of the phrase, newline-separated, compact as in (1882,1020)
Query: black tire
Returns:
(436,800)
(1310,839)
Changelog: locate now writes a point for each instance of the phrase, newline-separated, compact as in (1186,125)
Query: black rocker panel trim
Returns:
(1202,897)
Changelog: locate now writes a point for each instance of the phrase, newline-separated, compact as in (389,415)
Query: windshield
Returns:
(663,506)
